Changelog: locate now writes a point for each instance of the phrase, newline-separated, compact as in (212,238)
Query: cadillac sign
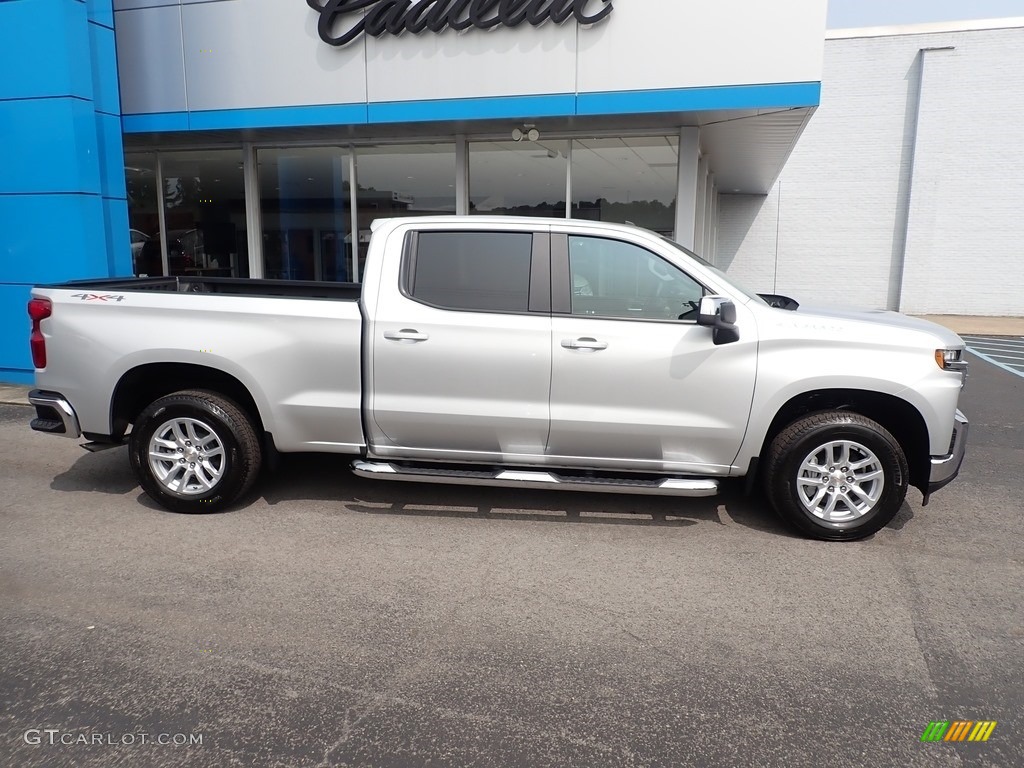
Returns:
(342,21)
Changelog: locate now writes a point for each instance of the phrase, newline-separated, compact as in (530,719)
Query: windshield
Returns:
(708,265)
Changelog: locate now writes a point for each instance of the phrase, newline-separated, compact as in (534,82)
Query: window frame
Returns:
(538,299)
(561,279)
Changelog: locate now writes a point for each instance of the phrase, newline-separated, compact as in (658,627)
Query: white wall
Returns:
(834,227)
(177,55)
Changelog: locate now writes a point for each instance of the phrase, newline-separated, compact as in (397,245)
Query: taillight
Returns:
(38,310)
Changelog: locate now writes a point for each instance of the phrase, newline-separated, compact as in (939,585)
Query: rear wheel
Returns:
(836,475)
(195,451)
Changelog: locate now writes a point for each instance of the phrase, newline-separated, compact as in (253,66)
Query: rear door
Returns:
(636,383)
(461,347)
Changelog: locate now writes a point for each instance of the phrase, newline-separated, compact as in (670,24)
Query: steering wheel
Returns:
(660,271)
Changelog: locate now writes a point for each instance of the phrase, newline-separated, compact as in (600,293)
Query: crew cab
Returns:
(532,353)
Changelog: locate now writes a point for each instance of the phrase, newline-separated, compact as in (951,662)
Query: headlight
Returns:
(950,359)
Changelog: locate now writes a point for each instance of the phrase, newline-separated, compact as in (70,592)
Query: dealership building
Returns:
(261,138)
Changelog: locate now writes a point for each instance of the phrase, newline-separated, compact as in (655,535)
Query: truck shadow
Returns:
(316,476)
(322,477)
(103,472)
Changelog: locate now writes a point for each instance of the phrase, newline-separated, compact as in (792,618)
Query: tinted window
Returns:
(611,278)
(487,271)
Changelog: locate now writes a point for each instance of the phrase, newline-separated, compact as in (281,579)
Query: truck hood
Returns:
(885,319)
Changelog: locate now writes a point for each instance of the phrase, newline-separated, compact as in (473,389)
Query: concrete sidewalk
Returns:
(982,326)
(13,394)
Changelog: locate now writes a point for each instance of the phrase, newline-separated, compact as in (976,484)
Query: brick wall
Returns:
(907,188)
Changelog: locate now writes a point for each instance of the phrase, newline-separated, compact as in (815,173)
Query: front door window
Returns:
(616,279)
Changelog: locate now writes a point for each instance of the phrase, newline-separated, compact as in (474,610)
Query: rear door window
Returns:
(476,271)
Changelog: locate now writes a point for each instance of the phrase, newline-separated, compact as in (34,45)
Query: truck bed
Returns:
(235,286)
(293,346)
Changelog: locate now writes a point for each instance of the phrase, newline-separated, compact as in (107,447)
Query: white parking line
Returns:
(993,344)
(996,353)
(997,347)
(1006,352)
(997,364)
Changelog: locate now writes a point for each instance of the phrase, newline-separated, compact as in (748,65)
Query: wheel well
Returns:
(898,416)
(142,385)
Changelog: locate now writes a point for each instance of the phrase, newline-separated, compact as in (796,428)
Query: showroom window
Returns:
(402,180)
(626,180)
(304,206)
(519,178)
(143,213)
(204,212)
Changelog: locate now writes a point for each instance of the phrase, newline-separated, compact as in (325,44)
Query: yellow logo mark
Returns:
(959,730)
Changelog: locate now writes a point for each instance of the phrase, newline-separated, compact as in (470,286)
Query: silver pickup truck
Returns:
(531,353)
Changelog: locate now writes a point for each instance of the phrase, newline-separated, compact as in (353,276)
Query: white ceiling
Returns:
(746,154)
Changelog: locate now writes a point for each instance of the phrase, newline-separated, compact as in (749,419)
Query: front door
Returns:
(636,383)
(461,349)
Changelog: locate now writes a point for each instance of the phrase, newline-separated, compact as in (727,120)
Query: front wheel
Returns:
(836,476)
(195,451)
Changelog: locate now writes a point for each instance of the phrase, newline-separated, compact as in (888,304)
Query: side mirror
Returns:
(719,314)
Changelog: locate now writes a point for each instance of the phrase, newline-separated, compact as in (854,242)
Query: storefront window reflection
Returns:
(405,180)
(304,203)
(204,210)
(143,213)
(519,178)
(622,180)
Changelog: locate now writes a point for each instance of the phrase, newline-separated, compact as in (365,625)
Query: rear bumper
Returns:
(54,414)
(945,468)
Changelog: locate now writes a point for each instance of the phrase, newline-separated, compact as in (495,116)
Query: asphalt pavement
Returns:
(336,621)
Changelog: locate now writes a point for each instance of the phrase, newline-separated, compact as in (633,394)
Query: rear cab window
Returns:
(471,271)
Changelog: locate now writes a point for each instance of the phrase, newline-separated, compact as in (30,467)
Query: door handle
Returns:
(406,334)
(585,343)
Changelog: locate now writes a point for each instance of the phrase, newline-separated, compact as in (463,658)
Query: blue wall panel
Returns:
(101,12)
(63,213)
(48,238)
(49,145)
(106,95)
(773,96)
(45,42)
(110,161)
(119,249)
(15,357)
(778,95)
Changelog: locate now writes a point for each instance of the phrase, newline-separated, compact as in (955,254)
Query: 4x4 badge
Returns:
(98,296)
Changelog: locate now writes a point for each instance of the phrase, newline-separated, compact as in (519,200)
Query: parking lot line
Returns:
(1006,352)
(998,353)
(990,345)
(1006,367)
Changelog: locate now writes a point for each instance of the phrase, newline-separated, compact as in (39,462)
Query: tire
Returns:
(806,485)
(200,425)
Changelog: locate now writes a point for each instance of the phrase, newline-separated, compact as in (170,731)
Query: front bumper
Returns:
(54,414)
(945,468)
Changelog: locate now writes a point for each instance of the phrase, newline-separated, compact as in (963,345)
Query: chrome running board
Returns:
(522,478)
